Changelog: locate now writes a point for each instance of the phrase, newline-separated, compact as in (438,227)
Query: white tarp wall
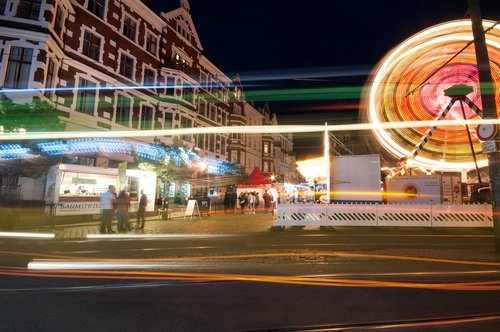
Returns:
(409,215)
(355,178)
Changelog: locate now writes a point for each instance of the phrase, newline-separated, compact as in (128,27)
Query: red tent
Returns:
(256,178)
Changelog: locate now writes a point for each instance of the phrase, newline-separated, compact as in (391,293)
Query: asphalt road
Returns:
(347,280)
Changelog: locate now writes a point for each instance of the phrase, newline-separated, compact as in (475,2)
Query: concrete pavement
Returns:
(216,223)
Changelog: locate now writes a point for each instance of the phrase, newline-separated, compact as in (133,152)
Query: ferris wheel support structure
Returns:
(489,107)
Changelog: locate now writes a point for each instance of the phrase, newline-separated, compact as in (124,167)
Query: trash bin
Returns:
(165,212)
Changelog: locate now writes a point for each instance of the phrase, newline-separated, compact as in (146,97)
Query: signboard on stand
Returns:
(190,209)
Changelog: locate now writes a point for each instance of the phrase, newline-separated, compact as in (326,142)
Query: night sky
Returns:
(261,37)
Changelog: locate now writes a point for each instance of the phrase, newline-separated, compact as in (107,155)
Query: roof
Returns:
(256,178)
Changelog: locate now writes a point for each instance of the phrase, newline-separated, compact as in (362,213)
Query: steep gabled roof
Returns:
(182,14)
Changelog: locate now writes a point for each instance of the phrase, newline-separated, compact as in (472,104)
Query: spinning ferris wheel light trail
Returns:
(437,57)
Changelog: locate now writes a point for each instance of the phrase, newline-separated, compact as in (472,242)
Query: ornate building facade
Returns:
(117,65)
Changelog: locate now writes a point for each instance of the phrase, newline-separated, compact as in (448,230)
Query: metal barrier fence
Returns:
(417,215)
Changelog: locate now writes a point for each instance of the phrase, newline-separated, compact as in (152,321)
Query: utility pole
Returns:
(487,91)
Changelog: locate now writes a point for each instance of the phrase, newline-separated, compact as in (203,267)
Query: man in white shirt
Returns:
(107,209)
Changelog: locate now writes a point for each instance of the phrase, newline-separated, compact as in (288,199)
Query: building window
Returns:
(96,7)
(91,45)
(58,21)
(129,28)
(170,89)
(146,118)
(123,111)
(86,96)
(49,82)
(213,112)
(186,123)
(127,66)
(223,145)
(188,93)
(211,143)
(266,166)
(151,43)
(202,107)
(29,9)
(234,156)
(266,147)
(18,68)
(169,120)
(201,141)
(2,6)
(149,77)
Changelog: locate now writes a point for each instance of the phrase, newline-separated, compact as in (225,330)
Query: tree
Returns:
(36,116)
(170,165)
(33,117)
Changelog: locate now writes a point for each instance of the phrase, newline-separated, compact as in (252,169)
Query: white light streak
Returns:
(154,236)
(245,129)
(99,265)
(28,235)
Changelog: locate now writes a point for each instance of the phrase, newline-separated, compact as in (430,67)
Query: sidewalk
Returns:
(216,223)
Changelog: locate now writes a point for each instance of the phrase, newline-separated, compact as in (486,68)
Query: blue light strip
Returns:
(116,146)
(14,151)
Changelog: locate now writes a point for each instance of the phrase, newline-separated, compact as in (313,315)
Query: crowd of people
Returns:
(251,202)
(111,204)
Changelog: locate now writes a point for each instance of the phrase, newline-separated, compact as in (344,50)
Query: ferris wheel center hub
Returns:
(459,90)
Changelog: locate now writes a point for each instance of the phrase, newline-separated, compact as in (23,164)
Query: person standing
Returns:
(267,200)
(122,206)
(107,209)
(257,201)
(143,201)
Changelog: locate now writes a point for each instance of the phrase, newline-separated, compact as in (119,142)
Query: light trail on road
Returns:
(75,271)
(217,277)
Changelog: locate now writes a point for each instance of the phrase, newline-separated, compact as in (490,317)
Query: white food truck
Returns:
(73,190)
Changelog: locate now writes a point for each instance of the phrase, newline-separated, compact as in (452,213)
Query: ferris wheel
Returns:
(430,77)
